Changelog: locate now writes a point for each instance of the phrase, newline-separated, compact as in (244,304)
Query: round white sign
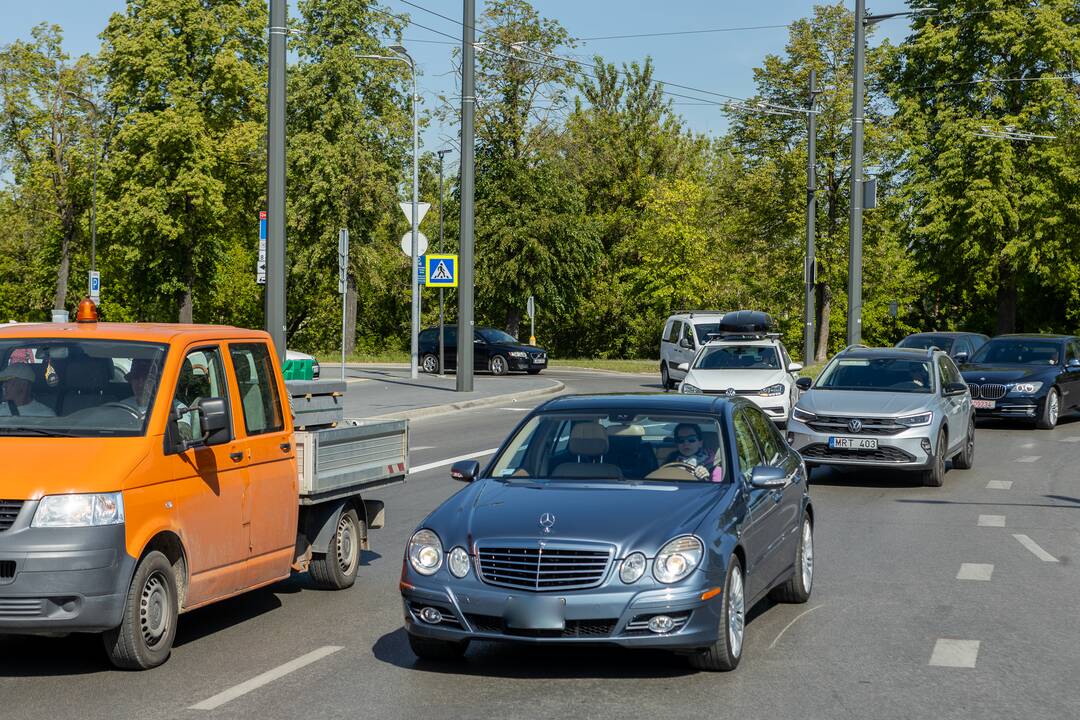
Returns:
(406,244)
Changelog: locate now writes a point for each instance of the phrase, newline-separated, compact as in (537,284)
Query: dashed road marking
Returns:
(450,461)
(1035,549)
(265,679)
(955,653)
(999,485)
(975,571)
(1029,458)
(991,521)
(513,409)
(1075,438)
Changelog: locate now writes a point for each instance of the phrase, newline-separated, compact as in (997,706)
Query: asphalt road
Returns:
(887,618)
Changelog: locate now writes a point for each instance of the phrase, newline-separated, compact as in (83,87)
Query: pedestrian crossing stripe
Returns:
(441,270)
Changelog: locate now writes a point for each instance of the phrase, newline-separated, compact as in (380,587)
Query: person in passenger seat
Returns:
(18,395)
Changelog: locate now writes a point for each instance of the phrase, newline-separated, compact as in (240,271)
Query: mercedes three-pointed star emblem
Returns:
(546,521)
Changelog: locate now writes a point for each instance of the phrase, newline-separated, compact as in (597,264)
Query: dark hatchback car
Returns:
(960,346)
(493,350)
(653,521)
(1034,377)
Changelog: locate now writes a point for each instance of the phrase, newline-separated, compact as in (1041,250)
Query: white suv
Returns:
(743,358)
(684,333)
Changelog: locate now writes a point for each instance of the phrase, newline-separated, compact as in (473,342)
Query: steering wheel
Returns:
(133,412)
(690,469)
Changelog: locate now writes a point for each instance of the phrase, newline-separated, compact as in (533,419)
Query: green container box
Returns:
(298,369)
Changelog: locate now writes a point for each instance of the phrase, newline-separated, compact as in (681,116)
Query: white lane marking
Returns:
(1075,438)
(974,571)
(1035,549)
(450,461)
(422,447)
(798,617)
(266,678)
(991,521)
(999,485)
(1029,458)
(955,653)
(510,409)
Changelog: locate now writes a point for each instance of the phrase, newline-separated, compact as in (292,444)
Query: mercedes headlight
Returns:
(797,413)
(518,354)
(773,390)
(916,420)
(677,559)
(55,511)
(632,568)
(688,389)
(425,552)
(1026,388)
(458,562)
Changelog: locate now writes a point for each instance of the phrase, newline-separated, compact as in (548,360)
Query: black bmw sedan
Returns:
(494,350)
(1034,377)
(632,520)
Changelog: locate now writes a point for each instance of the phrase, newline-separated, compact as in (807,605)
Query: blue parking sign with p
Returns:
(441,271)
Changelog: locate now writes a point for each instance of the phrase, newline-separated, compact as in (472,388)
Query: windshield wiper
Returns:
(30,431)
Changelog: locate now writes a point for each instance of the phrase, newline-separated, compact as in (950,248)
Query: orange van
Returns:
(152,469)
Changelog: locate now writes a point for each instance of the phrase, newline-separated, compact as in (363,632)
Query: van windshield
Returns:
(77,388)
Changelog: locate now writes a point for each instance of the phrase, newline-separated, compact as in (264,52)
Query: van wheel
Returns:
(935,476)
(430,364)
(145,637)
(336,570)
(665,378)
(498,365)
(432,649)
(726,652)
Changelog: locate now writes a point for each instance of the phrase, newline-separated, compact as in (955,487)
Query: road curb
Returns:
(435,410)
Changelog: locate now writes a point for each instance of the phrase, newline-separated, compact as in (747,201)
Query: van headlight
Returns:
(677,559)
(773,390)
(425,552)
(58,511)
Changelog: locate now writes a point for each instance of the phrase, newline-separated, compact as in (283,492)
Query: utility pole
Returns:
(810,267)
(442,359)
(464,375)
(854,318)
(275,181)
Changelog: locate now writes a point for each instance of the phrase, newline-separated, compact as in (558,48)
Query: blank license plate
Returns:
(983,404)
(848,443)
(535,613)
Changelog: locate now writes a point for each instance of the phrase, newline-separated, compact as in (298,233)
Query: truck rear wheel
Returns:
(145,637)
(336,569)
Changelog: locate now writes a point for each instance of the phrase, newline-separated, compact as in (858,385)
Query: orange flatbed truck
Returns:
(148,470)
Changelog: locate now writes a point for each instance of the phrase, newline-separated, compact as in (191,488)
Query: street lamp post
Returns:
(442,360)
(403,56)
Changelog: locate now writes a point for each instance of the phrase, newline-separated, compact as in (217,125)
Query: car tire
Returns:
(665,378)
(934,476)
(726,652)
(430,364)
(534,371)
(797,588)
(498,365)
(965,459)
(337,569)
(145,637)
(439,650)
(1048,419)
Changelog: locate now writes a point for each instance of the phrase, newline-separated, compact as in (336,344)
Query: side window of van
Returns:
(673,332)
(258,388)
(202,376)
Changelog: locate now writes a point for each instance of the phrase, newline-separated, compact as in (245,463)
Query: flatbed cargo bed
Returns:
(356,455)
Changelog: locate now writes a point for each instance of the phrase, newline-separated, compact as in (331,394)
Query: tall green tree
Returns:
(188,79)
(993,221)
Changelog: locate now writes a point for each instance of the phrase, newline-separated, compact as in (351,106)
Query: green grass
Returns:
(391,356)
(812,371)
(628,366)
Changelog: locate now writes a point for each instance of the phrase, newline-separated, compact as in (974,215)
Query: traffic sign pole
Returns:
(532,320)
(343,288)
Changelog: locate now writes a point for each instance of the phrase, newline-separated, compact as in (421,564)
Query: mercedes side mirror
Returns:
(683,367)
(794,367)
(768,477)
(804,383)
(954,388)
(465,470)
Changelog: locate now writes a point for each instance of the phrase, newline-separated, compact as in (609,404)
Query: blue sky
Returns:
(718,62)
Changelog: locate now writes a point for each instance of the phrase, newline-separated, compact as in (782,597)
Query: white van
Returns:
(684,333)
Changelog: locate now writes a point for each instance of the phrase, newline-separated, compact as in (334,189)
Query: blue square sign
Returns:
(441,270)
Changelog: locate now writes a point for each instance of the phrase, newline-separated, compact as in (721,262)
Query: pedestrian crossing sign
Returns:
(441,270)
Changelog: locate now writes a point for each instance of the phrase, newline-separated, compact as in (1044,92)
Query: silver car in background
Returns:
(886,407)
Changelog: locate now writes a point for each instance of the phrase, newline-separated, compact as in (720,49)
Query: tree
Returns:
(187,78)
(992,221)
(46,144)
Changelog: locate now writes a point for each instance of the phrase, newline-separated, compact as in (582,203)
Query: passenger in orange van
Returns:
(18,394)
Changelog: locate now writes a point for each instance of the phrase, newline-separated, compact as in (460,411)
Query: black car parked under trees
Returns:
(493,350)
(1034,377)
(960,346)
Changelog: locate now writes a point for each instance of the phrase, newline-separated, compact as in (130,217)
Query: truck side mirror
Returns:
(211,416)
(465,470)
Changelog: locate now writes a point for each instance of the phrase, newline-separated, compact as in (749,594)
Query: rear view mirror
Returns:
(794,367)
(1073,364)
(683,367)
(768,477)
(804,383)
(685,344)
(954,388)
(960,358)
(465,470)
(211,415)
